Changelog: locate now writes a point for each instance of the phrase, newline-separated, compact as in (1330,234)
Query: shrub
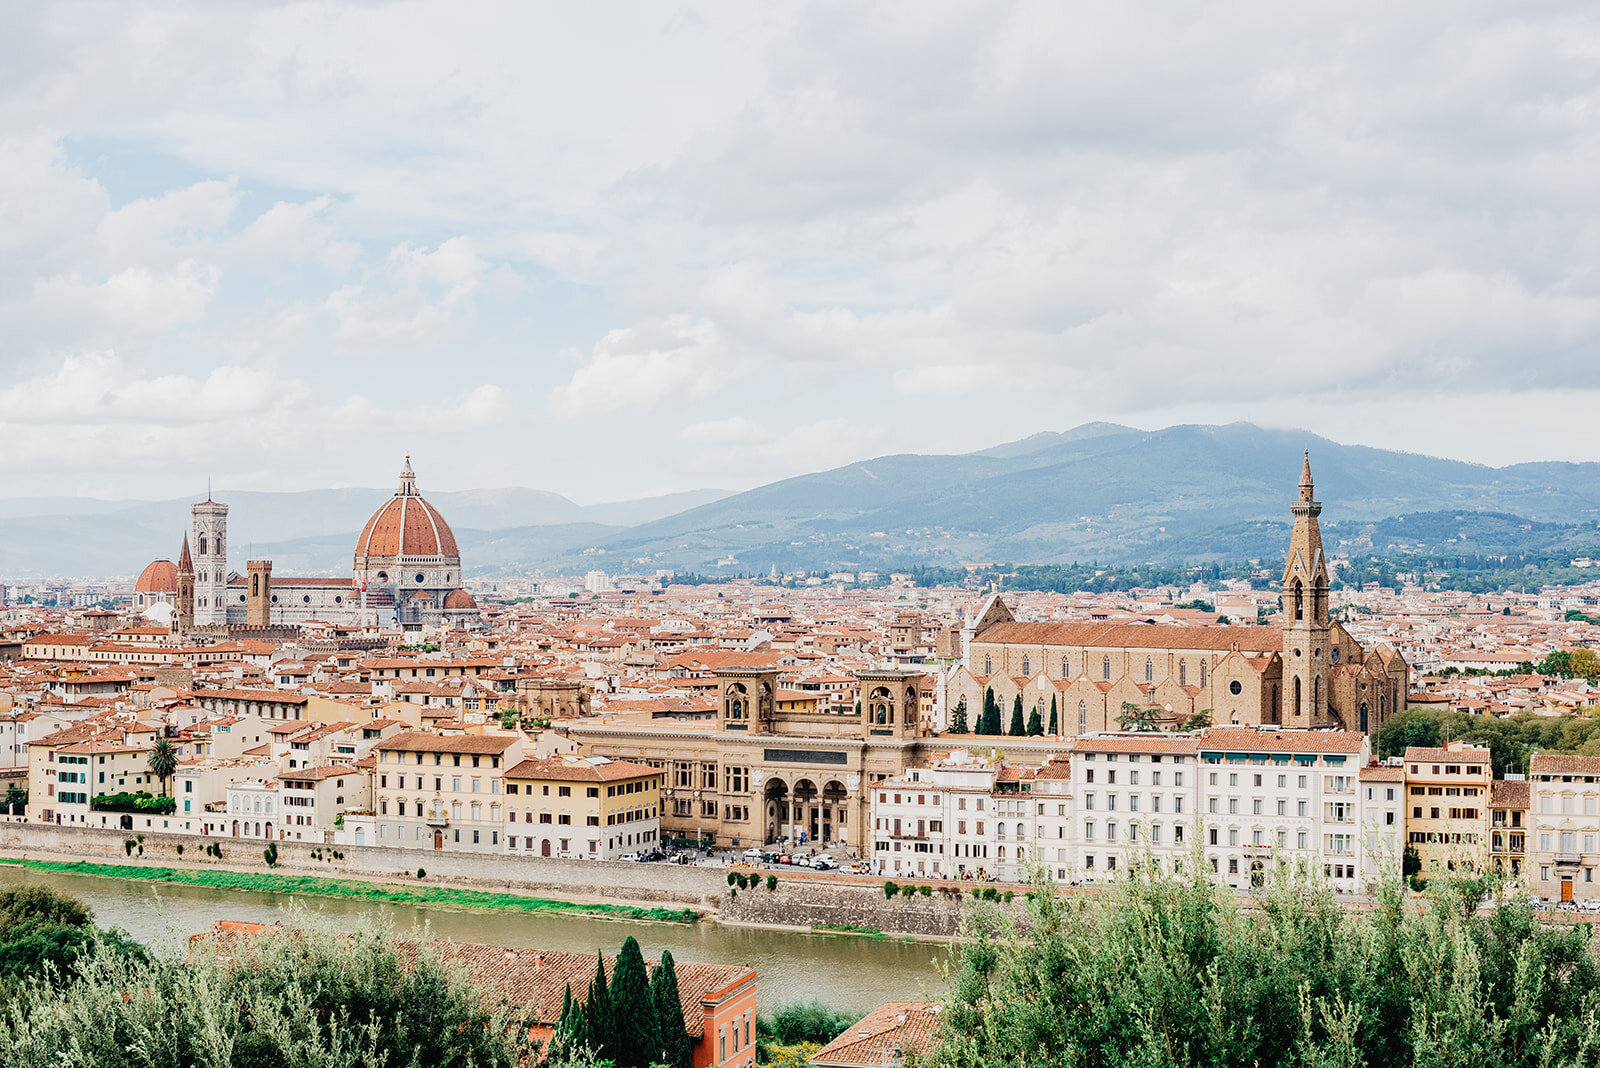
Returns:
(733,877)
(926,891)
(733,894)
(180,849)
(890,889)
(127,846)
(142,802)
(421,874)
(1009,894)
(270,854)
(772,882)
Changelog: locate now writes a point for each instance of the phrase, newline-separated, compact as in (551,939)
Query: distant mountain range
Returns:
(1098,492)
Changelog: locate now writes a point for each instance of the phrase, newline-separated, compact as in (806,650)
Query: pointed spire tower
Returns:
(183,614)
(1307,630)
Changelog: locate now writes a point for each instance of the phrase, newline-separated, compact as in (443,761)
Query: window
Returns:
(1105,667)
(1149,670)
(1026,667)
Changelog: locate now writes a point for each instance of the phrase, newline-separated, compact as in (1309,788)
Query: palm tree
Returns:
(163,762)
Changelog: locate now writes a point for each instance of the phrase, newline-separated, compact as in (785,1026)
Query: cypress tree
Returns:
(572,1030)
(676,1049)
(599,1020)
(1035,724)
(958,719)
(1054,723)
(988,722)
(638,1036)
(1017,729)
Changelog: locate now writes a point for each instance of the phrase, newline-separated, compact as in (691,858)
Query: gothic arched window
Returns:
(1083,717)
(1299,601)
(1149,670)
(1202,672)
(988,665)
(202,545)
(1296,706)
(1105,666)
(1026,671)
(1183,673)
(1065,673)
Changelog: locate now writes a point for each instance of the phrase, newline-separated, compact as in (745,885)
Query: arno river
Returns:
(846,972)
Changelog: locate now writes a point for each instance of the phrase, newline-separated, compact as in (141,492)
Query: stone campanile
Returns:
(183,614)
(210,541)
(1307,631)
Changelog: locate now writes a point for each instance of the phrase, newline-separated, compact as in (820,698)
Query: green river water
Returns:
(847,972)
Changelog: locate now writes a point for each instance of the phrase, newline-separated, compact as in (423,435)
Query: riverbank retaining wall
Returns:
(856,907)
(798,901)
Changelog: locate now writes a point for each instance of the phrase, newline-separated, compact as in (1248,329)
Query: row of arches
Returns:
(805,809)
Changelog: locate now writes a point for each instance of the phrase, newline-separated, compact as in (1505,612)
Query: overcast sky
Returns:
(612,251)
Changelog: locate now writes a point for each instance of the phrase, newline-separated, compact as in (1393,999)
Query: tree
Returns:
(1055,730)
(677,1050)
(1198,721)
(41,906)
(1035,723)
(16,800)
(1585,663)
(1017,729)
(633,1009)
(1138,718)
(163,761)
(599,1020)
(958,718)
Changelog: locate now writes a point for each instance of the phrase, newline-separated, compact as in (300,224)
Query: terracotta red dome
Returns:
(159,576)
(407,525)
(459,600)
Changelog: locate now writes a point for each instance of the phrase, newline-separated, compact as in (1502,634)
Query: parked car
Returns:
(754,856)
(785,859)
(823,862)
(629,856)
(1589,904)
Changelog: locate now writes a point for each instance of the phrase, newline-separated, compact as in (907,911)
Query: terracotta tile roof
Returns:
(1292,741)
(1428,753)
(1510,793)
(423,742)
(1377,773)
(1135,636)
(578,770)
(1563,764)
(1152,742)
(895,1027)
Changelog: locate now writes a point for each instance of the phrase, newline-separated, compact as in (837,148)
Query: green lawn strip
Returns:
(310,884)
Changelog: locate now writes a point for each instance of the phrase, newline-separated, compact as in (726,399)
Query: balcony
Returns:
(437,819)
(1570,860)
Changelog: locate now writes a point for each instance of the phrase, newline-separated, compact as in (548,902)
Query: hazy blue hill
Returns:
(1097,492)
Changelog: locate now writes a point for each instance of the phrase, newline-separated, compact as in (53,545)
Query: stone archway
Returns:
(775,808)
(806,813)
(834,799)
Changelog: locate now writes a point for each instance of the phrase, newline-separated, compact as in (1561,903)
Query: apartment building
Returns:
(1054,814)
(446,790)
(1508,826)
(589,807)
(1564,796)
(313,799)
(200,790)
(1447,805)
(1138,796)
(1382,813)
(938,820)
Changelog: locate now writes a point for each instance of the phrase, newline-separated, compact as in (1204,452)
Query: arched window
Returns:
(202,549)
(1149,670)
(1026,669)
(1105,666)
(1065,673)
(1183,673)
(1083,717)
(1299,601)
(1202,672)
(1296,706)
(988,665)
(1316,694)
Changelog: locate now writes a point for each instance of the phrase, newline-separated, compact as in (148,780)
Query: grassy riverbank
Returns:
(385,892)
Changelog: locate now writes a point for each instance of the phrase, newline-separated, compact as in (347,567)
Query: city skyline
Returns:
(301,241)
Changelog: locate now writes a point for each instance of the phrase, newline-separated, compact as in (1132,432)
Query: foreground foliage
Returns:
(285,997)
(1167,970)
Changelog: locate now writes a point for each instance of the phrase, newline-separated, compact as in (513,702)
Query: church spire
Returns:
(185,561)
(1305,479)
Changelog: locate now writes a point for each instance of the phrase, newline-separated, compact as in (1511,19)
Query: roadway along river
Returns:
(847,972)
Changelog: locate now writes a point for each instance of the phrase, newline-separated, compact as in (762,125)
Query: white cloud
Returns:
(728,431)
(643,366)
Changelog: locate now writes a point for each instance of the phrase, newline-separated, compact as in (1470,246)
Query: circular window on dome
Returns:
(383,576)
(274,598)
(419,576)
(1235,688)
(306,598)
(337,599)
(241,598)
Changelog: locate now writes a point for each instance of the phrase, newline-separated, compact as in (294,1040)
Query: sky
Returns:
(614,250)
